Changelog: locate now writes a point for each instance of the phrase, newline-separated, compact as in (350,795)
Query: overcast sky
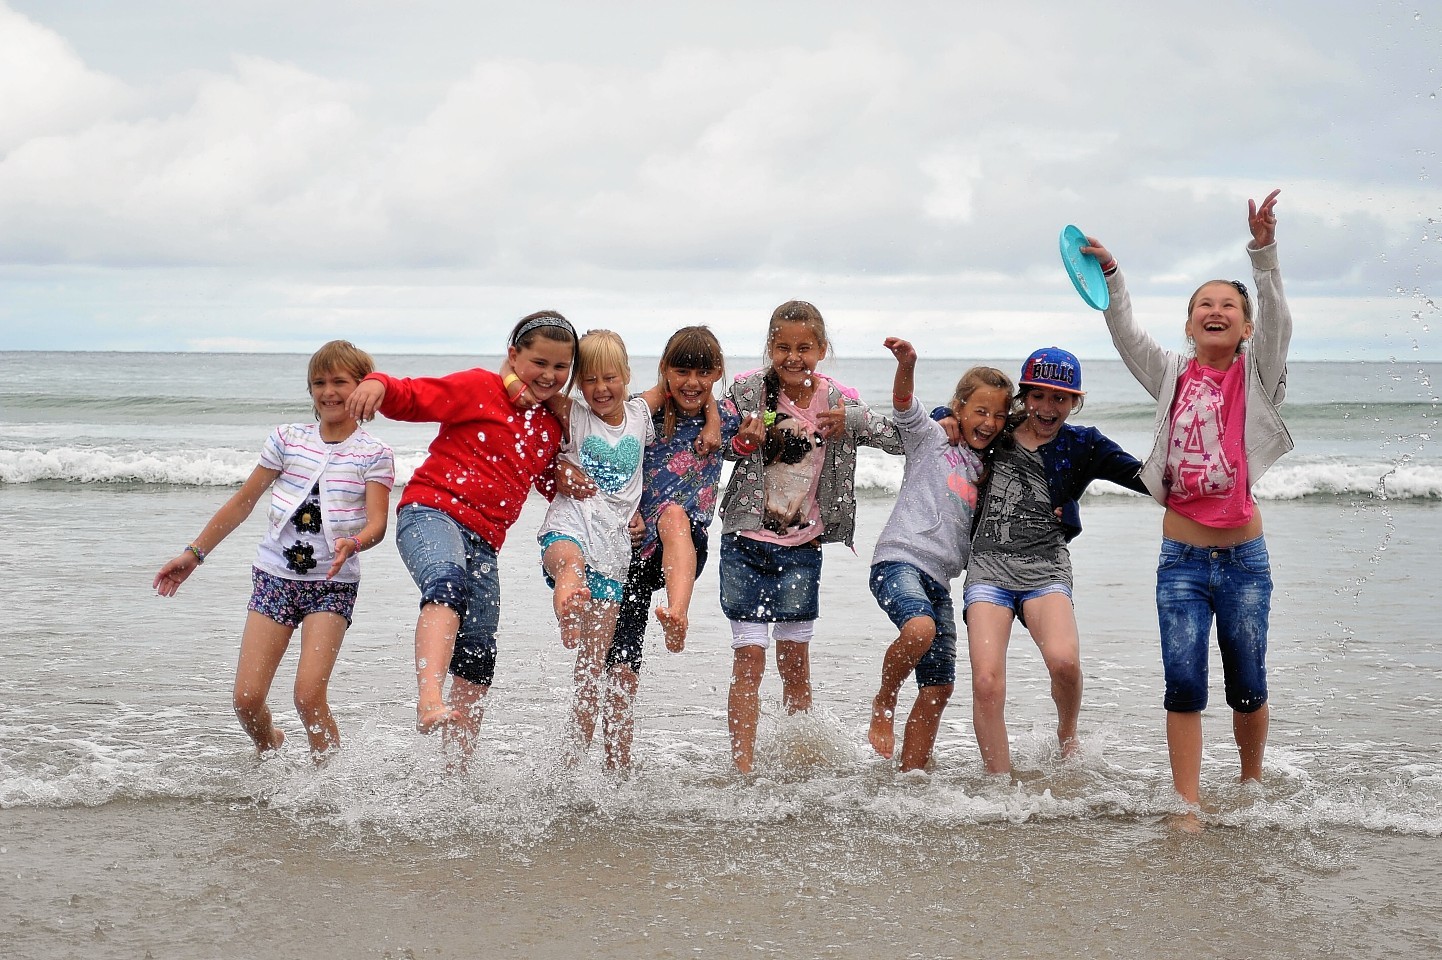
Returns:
(415,176)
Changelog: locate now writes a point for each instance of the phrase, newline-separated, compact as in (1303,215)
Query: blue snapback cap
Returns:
(1054,368)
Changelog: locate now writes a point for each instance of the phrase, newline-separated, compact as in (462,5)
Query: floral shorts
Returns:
(288,602)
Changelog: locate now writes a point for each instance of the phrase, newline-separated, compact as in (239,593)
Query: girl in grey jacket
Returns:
(793,489)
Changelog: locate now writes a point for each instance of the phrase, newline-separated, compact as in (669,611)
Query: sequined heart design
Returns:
(610,465)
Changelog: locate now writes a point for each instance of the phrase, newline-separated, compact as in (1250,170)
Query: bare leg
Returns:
(743,705)
(678,562)
(1250,731)
(793,662)
(436,630)
(320,639)
(262,644)
(597,625)
(1052,624)
(901,658)
(564,562)
(988,631)
(922,725)
(468,702)
(618,722)
(1184,749)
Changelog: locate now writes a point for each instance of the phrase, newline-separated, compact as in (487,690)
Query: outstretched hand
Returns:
(174,573)
(1263,220)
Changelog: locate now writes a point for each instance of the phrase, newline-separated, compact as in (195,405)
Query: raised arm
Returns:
(903,385)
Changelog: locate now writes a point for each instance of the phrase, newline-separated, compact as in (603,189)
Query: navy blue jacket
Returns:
(1072,460)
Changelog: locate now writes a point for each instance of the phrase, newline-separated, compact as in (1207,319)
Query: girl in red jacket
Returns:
(496,440)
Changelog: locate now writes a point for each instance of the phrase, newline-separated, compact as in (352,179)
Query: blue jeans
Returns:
(906,593)
(1232,585)
(455,568)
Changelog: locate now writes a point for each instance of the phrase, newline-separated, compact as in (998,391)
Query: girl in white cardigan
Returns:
(330,484)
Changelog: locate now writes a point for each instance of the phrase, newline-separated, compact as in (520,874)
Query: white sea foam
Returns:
(209,468)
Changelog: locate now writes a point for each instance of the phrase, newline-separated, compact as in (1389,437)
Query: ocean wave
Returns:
(876,475)
(1409,480)
(212,468)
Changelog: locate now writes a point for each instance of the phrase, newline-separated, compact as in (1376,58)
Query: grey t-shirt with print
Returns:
(1020,544)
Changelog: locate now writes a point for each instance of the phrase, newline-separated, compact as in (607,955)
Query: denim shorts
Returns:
(765,582)
(906,593)
(1232,585)
(1002,597)
(288,602)
(455,568)
(601,587)
(646,576)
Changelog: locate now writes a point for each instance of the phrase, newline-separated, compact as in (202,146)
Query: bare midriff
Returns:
(1186,530)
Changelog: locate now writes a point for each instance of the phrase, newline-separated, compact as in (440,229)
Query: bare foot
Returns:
(675,627)
(272,743)
(569,606)
(1070,747)
(1185,823)
(431,718)
(882,732)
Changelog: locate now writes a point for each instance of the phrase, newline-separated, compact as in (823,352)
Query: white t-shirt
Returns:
(610,456)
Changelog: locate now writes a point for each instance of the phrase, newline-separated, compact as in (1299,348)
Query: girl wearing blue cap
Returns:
(1020,566)
(1217,430)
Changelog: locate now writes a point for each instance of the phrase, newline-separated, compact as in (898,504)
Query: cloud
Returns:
(906,162)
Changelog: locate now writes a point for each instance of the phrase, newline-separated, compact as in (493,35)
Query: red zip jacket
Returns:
(487,454)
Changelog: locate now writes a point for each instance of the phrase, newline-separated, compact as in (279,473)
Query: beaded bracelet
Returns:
(199,553)
(355,542)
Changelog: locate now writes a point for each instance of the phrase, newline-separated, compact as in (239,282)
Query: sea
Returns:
(136,820)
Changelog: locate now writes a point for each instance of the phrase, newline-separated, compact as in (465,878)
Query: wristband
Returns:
(1110,267)
(199,553)
(743,448)
(355,541)
(901,403)
(509,379)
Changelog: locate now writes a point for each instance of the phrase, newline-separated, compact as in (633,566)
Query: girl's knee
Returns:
(749,664)
(935,697)
(248,703)
(1066,672)
(988,687)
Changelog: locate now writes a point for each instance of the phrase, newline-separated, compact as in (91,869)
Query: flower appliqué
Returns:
(307,517)
(300,557)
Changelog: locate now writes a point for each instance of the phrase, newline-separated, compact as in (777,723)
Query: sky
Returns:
(265,176)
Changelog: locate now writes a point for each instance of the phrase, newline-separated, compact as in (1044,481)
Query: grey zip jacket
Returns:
(1158,371)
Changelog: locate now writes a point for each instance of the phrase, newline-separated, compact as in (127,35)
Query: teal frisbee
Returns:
(1084,270)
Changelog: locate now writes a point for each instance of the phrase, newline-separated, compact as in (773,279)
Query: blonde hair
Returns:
(976,378)
(600,350)
(339,355)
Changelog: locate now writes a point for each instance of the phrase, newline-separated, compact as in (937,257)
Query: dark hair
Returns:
(548,325)
(690,348)
(543,323)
